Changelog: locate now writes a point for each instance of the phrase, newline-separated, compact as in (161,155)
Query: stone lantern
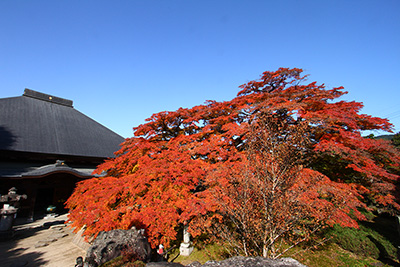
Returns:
(186,247)
(9,212)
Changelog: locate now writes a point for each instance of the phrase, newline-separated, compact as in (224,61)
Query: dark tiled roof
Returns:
(21,171)
(40,123)
(28,169)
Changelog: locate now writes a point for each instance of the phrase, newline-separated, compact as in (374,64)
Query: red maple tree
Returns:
(277,162)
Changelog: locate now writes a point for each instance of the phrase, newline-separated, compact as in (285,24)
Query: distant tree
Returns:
(396,139)
(263,171)
(370,136)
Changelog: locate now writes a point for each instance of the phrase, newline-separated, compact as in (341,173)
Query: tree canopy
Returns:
(278,162)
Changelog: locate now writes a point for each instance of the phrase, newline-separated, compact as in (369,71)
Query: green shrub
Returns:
(354,240)
(365,241)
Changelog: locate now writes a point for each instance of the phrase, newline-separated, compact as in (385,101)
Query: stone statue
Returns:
(12,198)
(186,247)
(9,212)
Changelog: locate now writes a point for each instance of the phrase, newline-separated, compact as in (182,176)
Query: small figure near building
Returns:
(79,262)
(160,253)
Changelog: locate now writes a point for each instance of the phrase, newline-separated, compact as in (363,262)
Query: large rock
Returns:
(111,244)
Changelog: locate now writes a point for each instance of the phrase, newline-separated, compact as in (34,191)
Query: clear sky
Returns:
(121,61)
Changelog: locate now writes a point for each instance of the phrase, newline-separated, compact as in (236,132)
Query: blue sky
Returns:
(122,61)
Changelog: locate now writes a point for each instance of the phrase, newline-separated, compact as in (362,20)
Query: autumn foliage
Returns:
(262,172)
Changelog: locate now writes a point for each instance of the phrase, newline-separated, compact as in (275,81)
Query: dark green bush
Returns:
(354,240)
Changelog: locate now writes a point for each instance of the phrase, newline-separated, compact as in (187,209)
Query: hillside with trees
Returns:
(394,138)
(272,168)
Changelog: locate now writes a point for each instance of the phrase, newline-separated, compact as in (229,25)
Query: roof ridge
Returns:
(48,98)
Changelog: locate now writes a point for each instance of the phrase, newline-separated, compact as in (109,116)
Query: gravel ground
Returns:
(45,242)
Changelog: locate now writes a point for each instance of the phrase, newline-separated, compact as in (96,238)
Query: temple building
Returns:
(46,147)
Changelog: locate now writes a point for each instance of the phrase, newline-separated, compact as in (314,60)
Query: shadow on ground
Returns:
(11,255)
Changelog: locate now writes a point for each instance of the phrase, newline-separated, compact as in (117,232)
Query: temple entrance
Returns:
(50,190)
(44,198)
